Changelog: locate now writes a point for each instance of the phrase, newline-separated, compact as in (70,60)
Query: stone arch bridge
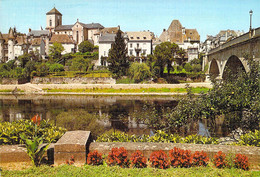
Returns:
(232,55)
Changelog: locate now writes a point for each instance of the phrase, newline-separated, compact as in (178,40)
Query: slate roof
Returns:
(53,11)
(64,27)
(107,38)
(61,38)
(38,33)
(142,35)
(92,25)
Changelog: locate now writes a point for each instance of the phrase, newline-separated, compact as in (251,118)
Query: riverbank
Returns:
(104,89)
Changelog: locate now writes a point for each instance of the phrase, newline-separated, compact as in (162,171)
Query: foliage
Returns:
(159,136)
(200,159)
(180,158)
(159,159)
(220,160)
(237,97)
(23,59)
(188,67)
(241,161)
(42,69)
(250,139)
(94,158)
(80,64)
(10,131)
(118,156)
(55,50)
(34,145)
(125,81)
(138,160)
(139,72)
(86,46)
(117,57)
(56,67)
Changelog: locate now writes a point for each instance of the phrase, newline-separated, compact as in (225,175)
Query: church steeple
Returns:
(53,19)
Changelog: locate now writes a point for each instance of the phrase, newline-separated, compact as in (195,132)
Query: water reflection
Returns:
(134,114)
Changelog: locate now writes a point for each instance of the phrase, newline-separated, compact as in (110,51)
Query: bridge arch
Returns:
(234,65)
(214,68)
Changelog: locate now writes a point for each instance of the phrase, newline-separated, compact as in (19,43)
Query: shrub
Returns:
(200,159)
(250,139)
(188,67)
(56,67)
(241,161)
(94,158)
(220,160)
(118,156)
(86,46)
(138,160)
(139,72)
(159,159)
(180,158)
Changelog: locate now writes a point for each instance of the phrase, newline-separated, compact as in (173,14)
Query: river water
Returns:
(101,113)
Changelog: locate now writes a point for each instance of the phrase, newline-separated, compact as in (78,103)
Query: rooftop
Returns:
(61,38)
(142,35)
(107,38)
(53,11)
(38,33)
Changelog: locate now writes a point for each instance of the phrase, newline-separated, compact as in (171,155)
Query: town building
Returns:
(187,39)
(12,45)
(79,31)
(139,45)
(215,41)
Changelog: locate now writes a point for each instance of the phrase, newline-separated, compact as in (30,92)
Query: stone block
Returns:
(72,143)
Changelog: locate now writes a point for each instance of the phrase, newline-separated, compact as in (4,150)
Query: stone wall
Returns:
(73,80)
(12,81)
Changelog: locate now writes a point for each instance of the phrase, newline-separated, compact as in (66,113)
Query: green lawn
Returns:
(144,90)
(66,170)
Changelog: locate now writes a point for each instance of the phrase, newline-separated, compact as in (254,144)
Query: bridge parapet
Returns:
(240,39)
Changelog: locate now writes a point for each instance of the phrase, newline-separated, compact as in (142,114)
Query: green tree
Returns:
(23,59)
(80,64)
(56,67)
(181,54)
(86,46)
(55,51)
(163,55)
(139,71)
(117,57)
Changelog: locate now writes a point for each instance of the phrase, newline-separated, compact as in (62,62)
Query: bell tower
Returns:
(53,19)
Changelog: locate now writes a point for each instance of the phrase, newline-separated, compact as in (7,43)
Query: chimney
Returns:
(118,27)
(30,29)
(164,30)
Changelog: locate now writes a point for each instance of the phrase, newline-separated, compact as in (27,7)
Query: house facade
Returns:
(139,45)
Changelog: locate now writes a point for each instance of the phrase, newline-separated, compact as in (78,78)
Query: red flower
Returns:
(36,119)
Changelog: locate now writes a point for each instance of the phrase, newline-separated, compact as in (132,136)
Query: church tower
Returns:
(53,19)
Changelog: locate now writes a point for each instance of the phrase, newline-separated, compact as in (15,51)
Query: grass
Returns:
(144,90)
(67,170)
(9,90)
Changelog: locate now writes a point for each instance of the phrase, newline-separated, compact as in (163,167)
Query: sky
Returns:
(207,16)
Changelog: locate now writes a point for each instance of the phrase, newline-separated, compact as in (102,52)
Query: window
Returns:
(65,32)
(138,37)
(144,37)
(50,22)
(137,45)
(131,45)
(131,52)
(144,52)
(104,53)
(132,37)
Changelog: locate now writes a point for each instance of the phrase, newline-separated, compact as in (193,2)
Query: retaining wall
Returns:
(73,80)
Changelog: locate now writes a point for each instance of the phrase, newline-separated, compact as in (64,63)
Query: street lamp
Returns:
(251,13)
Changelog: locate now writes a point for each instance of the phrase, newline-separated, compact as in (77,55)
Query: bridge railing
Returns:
(236,40)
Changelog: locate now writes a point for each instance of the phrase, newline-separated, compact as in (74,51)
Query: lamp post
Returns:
(250,12)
